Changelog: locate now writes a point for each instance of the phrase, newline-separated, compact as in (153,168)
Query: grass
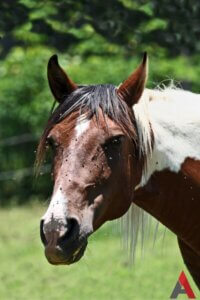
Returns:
(103,273)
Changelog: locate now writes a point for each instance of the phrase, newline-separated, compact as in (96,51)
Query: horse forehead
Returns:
(92,131)
(103,124)
(100,124)
(82,128)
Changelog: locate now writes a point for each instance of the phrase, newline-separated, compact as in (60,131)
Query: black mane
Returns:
(88,99)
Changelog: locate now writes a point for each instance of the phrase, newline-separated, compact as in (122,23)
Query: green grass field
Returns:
(103,273)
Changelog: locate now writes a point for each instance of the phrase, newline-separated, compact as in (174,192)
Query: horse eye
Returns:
(116,140)
(112,142)
(51,142)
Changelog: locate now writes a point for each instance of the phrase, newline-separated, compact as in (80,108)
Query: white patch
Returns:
(81,126)
(56,214)
(174,116)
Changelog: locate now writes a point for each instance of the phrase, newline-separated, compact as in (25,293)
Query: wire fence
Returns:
(19,139)
(23,172)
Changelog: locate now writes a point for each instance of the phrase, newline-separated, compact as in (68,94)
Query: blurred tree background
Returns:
(97,42)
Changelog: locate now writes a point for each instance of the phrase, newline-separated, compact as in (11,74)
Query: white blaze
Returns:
(55,217)
(56,214)
(81,126)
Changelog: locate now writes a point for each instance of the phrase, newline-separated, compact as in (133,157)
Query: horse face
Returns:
(93,161)
(91,186)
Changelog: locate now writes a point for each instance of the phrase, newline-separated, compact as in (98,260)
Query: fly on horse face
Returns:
(114,147)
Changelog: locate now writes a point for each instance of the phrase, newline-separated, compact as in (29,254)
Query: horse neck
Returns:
(174,119)
(165,190)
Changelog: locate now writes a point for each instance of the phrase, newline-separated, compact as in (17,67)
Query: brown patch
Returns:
(174,200)
(66,126)
(191,168)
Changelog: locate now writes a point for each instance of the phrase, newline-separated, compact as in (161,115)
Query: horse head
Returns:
(96,159)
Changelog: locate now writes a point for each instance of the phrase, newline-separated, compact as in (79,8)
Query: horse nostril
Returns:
(42,235)
(69,233)
(72,230)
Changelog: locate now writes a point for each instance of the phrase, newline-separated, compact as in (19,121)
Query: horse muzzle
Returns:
(64,255)
(66,246)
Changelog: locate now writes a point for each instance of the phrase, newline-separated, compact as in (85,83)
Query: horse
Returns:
(118,147)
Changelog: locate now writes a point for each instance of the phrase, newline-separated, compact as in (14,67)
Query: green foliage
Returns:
(130,25)
(97,42)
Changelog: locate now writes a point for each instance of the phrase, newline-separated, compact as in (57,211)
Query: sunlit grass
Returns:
(103,273)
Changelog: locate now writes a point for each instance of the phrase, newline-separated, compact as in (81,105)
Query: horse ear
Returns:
(132,88)
(60,84)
